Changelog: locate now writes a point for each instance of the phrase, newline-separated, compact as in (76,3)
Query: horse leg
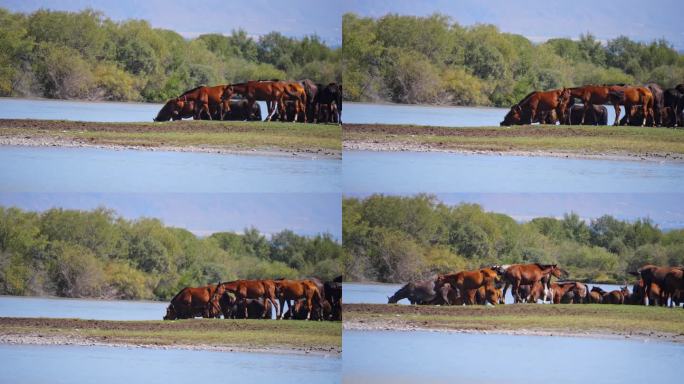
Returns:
(617,113)
(516,293)
(644,113)
(584,113)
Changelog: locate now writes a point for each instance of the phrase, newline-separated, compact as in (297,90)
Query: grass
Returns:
(229,135)
(620,319)
(575,139)
(282,334)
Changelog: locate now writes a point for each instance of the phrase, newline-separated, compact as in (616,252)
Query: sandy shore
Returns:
(349,145)
(46,141)
(40,339)
(385,325)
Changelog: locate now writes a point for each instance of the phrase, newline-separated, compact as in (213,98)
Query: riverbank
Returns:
(605,142)
(284,336)
(603,321)
(230,137)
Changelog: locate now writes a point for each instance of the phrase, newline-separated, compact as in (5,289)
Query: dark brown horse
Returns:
(658,102)
(674,281)
(517,274)
(232,309)
(417,292)
(538,104)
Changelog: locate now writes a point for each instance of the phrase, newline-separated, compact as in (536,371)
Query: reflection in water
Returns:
(415,172)
(361,293)
(437,357)
(104,365)
(40,169)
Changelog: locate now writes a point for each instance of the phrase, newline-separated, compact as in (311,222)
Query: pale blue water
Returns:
(415,172)
(55,169)
(16,306)
(104,365)
(364,113)
(46,109)
(435,357)
(363,293)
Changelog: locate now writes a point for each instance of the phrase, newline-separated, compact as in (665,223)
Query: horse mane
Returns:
(526,97)
(192,90)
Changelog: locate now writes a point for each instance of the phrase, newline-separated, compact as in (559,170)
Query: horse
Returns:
(417,292)
(633,96)
(239,110)
(615,296)
(233,309)
(518,274)
(329,96)
(595,296)
(559,290)
(658,102)
(311,90)
(270,91)
(674,98)
(598,117)
(467,282)
(192,302)
(538,102)
(673,282)
(288,290)
(651,275)
(251,289)
(596,94)
(579,293)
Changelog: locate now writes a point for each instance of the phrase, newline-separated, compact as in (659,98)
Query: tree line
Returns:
(431,60)
(72,253)
(86,55)
(398,239)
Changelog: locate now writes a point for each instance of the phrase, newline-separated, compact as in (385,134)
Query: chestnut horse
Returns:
(250,289)
(288,290)
(595,296)
(596,95)
(558,290)
(191,302)
(518,274)
(674,281)
(468,282)
(653,275)
(538,104)
(634,97)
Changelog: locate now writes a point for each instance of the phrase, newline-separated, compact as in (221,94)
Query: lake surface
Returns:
(435,357)
(16,306)
(46,109)
(415,172)
(363,293)
(364,113)
(104,365)
(56,169)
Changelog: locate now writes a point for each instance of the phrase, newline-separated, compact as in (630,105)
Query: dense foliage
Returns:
(88,56)
(407,59)
(397,239)
(97,254)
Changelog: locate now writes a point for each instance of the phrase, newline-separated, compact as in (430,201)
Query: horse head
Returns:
(170,313)
(514,116)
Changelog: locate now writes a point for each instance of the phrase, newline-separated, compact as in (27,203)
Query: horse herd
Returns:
(297,101)
(644,105)
(307,299)
(532,282)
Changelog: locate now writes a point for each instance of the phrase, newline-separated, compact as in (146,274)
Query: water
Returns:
(55,169)
(434,357)
(15,306)
(363,293)
(362,113)
(45,109)
(415,172)
(104,365)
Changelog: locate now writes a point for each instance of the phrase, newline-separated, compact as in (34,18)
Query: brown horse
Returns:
(250,289)
(631,97)
(595,296)
(192,302)
(517,274)
(653,275)
(468,282)
(289,290)
(596,95)
(674,281)
(538,104)
(559,290)
(272,92)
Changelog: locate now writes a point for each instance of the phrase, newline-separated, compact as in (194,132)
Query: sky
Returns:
(662,208)
(538,20)
(205,213)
